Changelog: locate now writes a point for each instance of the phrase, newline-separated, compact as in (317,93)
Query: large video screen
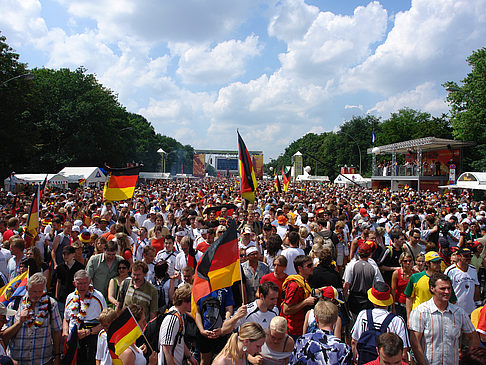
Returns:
(227,164)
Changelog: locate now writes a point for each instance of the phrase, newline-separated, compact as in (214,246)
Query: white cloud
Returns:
(429,42)
(153,20)
(225,62)
(424,97)
(291,20)
(334,42)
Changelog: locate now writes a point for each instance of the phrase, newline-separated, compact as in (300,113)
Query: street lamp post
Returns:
(28,76)
(359,149)
(163,153)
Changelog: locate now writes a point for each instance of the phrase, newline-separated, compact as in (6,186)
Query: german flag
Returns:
(248,182)
(230,209)
(120,183)
(33,219)
(286,179)
(122,333)
(278,187)
(218,268)
(70,348)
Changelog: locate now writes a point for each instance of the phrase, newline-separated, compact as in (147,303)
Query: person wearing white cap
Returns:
(245,239)
(253,270)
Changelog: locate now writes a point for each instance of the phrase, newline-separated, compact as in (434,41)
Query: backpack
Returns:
(152,329)
(160,290)
(211,312)
(367,342)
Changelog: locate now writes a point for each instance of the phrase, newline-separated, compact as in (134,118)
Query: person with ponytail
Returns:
(248,341)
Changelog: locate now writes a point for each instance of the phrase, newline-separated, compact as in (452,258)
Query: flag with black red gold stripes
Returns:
(120,183)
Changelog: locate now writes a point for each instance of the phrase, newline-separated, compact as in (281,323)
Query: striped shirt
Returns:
(168,336)
(441,331)
(33,346)
(146,295)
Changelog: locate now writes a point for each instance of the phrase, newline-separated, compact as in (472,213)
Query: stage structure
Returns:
(225,162)
(427,164)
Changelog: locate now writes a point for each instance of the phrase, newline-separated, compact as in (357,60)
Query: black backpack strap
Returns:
(124,290)
(369,315)
(386,322)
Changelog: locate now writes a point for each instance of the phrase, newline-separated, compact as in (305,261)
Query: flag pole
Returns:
(145,338)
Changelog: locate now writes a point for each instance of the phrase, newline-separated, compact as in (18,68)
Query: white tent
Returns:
(54,180)
(92,175)
(469,180)
(351,179)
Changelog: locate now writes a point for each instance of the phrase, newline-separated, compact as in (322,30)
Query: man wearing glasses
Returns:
(298,299)
(464,280)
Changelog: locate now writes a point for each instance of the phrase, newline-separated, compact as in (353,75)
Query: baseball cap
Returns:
(432,256)
(464,251)
(330,292)
(282,219)
(247,230)
(363,212)
(251,250)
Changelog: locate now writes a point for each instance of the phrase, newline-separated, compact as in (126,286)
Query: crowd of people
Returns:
(329,275)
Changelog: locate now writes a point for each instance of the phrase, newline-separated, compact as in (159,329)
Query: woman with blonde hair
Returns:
(278,344)
(124,246)
(399,282)
(248,341)
(100,245)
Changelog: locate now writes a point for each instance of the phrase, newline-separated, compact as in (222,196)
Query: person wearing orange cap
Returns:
(282,225)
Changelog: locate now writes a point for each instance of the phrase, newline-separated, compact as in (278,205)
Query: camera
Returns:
(316,293)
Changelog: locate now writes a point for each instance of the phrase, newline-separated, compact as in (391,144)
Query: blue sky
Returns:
(276,70)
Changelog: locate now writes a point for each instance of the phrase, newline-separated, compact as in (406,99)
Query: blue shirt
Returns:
(225,297)
(322,348)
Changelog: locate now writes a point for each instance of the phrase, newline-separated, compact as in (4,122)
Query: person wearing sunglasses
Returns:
(298,299)
(116,282)
(400,279)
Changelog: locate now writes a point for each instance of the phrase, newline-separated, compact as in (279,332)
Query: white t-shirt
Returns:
(464,286)
(170,257)
(5,256)
(397,325)
(167,336)
(254,314)
(102,353)
(140,218)
(290,254)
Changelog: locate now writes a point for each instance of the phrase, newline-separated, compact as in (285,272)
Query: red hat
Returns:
(331,293)
(365,247)
(282,219)
(363,212)
(380,294)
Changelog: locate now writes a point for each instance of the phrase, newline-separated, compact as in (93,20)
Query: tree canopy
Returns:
(67,118)
(468,109)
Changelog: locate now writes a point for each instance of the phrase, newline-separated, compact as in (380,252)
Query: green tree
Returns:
(19,134)
(468,110)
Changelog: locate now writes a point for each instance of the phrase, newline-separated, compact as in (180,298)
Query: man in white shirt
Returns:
(464,279)
(292,252)
(261,310)
(171,336)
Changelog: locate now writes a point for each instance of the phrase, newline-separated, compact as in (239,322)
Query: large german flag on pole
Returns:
(218,268)
(248,182)
(33,219)
(122,333)
(120,183)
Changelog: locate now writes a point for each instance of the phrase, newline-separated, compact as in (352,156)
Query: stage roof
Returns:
(426,144)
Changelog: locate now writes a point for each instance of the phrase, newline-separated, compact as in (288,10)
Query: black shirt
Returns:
(65,276)
(324,276)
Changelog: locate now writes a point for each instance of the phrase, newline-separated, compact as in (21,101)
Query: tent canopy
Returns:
(469,180)
(52,179)
(90,174)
